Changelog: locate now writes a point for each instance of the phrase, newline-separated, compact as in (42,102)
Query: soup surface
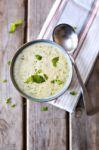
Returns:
(41,70)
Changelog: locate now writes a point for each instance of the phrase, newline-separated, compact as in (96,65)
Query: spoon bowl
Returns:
(66,36)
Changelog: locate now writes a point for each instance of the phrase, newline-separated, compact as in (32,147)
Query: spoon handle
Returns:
(87,102)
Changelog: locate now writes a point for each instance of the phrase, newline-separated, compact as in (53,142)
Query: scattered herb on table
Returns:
(14,25)
(57,80)
(9,62)
(73,93)
(8,100)
(55,61)
(38,57)
(44,108)
(13,105)
(3,81)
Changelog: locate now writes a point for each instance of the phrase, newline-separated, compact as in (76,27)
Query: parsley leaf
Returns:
(29,79)
(38,79)
(73,93)
(13,105)
(18,22)
(14,25)
(8,100)
(38,57)
(59,82)
(55,61)
(35,78)
(3,81)
(44,108)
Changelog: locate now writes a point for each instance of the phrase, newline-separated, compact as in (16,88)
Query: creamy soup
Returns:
(41,70)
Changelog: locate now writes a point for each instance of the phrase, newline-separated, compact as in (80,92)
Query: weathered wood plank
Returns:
(84,130)
(45,130)
(10,118)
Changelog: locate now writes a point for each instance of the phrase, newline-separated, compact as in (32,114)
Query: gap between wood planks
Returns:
(24,108)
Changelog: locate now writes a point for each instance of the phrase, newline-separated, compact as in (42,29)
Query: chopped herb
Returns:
(14,25)
(44,108)
(13,105)
(59,82)
(8,100)
(73,93)
(35,78)
(29,79)
(3,81)
(12,28)
(53,81)
(9,62)
(46,77)
(38,79)
(38,71)
(38,57)
(55,61)
(18,22)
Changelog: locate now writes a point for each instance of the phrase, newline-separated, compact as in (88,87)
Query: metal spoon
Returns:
(66,36)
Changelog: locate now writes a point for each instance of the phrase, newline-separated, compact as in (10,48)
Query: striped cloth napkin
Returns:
(82,14)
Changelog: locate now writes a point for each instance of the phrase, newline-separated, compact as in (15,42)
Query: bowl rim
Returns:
(19,50)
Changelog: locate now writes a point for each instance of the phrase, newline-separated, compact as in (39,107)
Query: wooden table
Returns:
(25,127)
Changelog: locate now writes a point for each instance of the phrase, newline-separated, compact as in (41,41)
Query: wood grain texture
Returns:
(10,118)
(84,130)
(45,130)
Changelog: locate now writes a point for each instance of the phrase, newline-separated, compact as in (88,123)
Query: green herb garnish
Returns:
(14,25)
(73,93)
(55,61)
(9,62)
(35,78)
(53,81)
(45,76)
(29,79)
(38,71)
(59,82)
(3,81)
(44,108)
(8,100)
(38,57)
(38,79)
(13,105)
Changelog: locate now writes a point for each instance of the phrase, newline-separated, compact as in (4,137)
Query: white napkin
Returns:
(82,14)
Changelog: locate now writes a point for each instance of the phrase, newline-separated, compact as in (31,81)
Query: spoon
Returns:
(66,36)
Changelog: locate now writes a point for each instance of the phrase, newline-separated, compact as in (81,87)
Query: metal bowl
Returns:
(65,87)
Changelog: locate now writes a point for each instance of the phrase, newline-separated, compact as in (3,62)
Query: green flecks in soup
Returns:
(41,79)
(38,57)
(55,61)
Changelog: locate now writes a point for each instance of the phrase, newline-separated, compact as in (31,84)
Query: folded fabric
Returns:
(84,16)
